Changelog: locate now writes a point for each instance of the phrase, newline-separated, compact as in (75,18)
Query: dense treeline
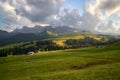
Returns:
(48,45)
(30,47)
(76,43)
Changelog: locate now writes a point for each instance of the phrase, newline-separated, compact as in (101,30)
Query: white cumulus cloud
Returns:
(95,17)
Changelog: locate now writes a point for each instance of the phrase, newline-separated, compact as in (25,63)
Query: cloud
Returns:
(10,18)
(109,27)
(67,17)
(103,7)
(103,10)
(71,17)
(89,21)
(37,10)
(95,17)
(17,13)
(97,12)
(111,7)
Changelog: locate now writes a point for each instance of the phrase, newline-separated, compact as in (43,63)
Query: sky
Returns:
(91,15)
(78,4)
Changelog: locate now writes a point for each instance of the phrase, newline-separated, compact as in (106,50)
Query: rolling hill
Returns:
(76,64)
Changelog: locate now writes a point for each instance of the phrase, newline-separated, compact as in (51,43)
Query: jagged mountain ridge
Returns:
(39,29)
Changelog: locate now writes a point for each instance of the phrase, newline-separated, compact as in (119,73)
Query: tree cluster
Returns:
(25,48)
(49,45)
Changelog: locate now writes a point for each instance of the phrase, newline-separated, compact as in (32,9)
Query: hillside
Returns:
(31,34)
(58,34)
(4,34)
(25,37)
(76,64)
(50,41)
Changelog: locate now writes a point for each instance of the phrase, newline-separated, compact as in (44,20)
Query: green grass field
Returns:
(78,64)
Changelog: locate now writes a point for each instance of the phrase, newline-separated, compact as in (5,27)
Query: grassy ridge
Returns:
(79,64)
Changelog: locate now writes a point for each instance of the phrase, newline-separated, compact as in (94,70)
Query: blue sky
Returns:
(77,4)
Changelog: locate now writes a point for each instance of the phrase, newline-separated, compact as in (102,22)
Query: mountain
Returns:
(4,34)
(39,29)
(62,30)
(48,34)
(36,29)
(34,33)
(23,37)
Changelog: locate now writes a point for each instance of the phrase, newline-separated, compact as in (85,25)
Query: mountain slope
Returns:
(4,34)
(23,37)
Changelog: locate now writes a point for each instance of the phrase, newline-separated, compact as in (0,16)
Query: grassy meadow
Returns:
(76,64)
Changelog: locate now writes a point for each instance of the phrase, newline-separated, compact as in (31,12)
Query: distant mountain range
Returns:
(35,33)
(36,29)
(39,29)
